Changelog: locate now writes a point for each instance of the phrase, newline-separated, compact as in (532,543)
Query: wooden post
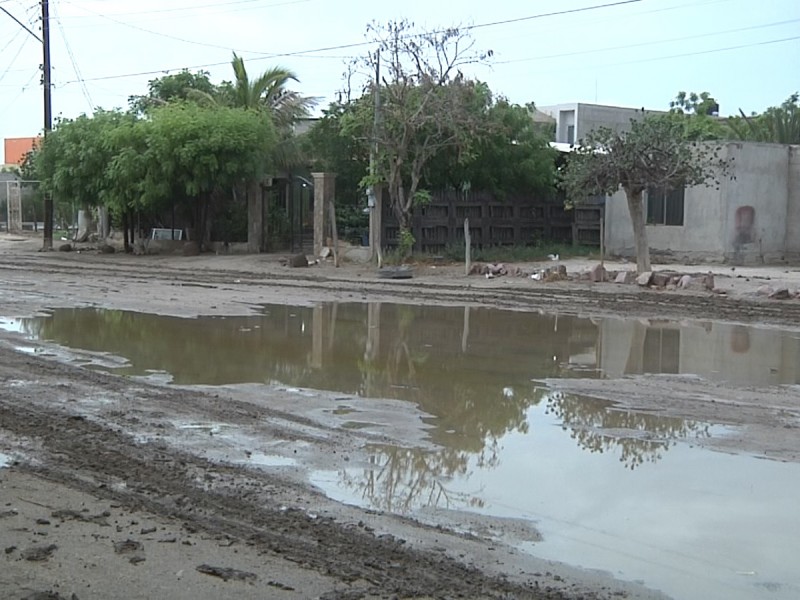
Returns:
(467,248)
(335,234)
(602,234)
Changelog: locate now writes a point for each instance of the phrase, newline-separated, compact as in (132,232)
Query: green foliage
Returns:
(406,242)
(510,155)
(172,88)
(778,124)
(655,152)
(698,114)
(332,150)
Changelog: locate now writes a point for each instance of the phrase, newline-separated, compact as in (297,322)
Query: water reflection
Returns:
(638,437)
(473,369)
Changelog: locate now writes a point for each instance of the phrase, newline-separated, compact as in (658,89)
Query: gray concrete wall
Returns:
(699,238)
(793,208)
(587,117)
(752,218)
(760,188)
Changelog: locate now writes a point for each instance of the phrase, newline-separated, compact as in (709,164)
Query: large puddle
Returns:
(608,488)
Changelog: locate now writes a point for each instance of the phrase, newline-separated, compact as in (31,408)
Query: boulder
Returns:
(598,274)
(625,277)
(685,282)
(780,294)
(708,281)
(298,260)
(65,248)
(105,249)
(765,290)
(644,278)
(661,279)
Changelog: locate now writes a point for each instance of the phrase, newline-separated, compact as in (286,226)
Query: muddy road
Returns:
(106,492)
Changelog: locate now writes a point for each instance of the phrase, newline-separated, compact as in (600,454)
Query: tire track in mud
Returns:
(584,299)
(222,500)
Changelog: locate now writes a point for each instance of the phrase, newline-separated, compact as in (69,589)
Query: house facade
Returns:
(575,120)
(752,217)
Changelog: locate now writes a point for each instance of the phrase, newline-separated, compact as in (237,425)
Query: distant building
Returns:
(17,148)
(575,120)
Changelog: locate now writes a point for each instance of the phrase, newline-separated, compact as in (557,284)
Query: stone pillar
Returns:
(255,218)
(324,192)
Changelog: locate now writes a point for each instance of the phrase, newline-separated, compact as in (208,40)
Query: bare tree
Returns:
(427,104)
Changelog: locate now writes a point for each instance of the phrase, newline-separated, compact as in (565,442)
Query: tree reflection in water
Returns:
(599,426)
(402,479)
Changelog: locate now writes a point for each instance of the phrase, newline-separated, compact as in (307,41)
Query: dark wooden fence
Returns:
(517,221)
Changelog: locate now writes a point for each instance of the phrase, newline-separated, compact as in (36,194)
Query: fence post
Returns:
(467,249)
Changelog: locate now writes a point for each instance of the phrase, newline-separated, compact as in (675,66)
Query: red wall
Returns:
(17,148)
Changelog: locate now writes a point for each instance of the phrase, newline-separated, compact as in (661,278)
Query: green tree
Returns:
(654,153)
(699,114)
(778,124)
(427,106)
(205,152)
(509,155)
(173,88)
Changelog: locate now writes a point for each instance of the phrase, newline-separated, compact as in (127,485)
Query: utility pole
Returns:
(48,118)
(375,192)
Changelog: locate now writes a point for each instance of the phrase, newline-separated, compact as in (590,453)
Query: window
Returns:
(665,206)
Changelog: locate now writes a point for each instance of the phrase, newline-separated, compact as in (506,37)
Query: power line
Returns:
(84,89)
(189,8)
(684,55)
(21,24)
(300,53)
(650,43)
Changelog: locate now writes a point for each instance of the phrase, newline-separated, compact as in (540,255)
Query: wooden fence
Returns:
(492,222)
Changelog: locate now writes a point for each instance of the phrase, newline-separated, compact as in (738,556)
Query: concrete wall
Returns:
(793,209)
(752,218)
(587,117)
(699,238)
(761,188)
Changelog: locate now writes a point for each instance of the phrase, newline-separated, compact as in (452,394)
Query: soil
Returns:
(115,487)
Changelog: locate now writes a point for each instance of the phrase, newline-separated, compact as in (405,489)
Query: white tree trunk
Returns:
(636,208)
(84,225)
(103,223)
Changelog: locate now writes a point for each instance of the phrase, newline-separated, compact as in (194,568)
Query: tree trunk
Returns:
(636,208)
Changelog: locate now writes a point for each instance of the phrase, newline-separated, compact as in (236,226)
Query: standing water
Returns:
(608,488)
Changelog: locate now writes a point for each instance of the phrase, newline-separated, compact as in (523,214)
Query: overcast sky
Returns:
(638,53)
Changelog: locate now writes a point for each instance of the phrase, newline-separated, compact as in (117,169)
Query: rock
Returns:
(65,248)
(708,281)
(598,274)
(476,269)
(685,282)
(562,271)
(625,277)
(226,573)
(105,249)
(298,260)
(780,294)
(644,279)
(325,252)
(38,553)
(661,279)
(765,290)
(191,249)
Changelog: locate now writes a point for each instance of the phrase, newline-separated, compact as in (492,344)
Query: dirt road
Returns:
(104,494)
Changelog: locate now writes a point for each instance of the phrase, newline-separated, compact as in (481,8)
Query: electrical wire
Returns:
(84,88)
(192,8)
(650,43)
